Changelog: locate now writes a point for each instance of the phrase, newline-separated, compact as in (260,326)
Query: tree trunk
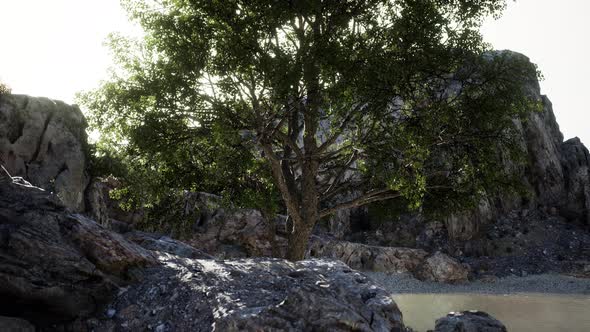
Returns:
(298,241)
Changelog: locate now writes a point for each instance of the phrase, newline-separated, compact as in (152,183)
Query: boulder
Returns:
(469,321)
(238,233)
(44,141)
(368,258)
(251,295)
(201,220)
(106,210)
(55,265)
(166,244)
(442,268)
(12,324)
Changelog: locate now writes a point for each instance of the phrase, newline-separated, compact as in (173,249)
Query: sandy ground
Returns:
(542,283)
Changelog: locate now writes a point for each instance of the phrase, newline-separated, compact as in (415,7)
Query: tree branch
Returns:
(374,196)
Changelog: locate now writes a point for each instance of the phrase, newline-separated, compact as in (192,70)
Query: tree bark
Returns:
(298,240)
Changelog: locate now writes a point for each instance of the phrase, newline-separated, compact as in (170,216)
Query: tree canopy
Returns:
(329,104)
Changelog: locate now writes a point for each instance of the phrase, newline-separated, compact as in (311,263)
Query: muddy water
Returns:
(520,312)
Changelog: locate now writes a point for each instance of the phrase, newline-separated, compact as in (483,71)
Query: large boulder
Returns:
(166,244)
(469,321)
(438,267)
(251,295)
(368,258)
(55,265)
(442,268)
(44,141)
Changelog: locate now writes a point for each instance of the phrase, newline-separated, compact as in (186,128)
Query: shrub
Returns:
(5,89)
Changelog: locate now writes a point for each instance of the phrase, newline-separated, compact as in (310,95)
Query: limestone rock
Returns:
(469,321)
(44,141)
(252,295)
(55,265)
(442,268)
(368,258)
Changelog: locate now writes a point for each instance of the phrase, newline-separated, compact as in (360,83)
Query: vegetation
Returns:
(5,89)
(327,104)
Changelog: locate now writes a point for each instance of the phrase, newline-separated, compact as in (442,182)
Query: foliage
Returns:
(315,100)
(5,89)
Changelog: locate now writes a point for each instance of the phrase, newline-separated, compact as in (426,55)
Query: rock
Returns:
(469,321)
(105,210)
(576,169)
(464,226)
(165,244)
(55,265)
(11,324)
(442,268)
(242,228)
(44,141)
(368,258)
(254,295)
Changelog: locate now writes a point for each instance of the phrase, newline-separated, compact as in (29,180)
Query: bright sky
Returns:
(54,48)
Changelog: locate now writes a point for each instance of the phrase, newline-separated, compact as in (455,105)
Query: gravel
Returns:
(542,283)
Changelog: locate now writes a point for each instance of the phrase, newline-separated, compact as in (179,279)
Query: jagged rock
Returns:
(105,210)
(166,244)
(576,163)
(554,172)
(442,268)
(438,267)
(202,221)
(44,141)
(368,258)
(464,226)
(11,324)
(55,265)
(469,321)
(251,295)
(238,233)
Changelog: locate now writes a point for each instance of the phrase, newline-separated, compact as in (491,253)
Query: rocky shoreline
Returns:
(541,284)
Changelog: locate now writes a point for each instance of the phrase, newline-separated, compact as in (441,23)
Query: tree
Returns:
(5,89)
(345,102)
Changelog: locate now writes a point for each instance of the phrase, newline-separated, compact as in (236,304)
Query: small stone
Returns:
(111,313)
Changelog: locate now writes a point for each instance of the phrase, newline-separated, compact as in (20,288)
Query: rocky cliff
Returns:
(555,174)
(44,141)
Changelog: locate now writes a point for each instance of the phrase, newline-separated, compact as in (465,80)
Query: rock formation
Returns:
(251,295)
(55,265)
(44,141)
(438,267)
(469,321)
(555,173)
(58,270)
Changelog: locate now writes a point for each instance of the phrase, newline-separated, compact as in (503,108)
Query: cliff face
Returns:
(555,173)
(44,142)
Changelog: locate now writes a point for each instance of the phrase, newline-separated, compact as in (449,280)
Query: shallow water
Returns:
(519,312)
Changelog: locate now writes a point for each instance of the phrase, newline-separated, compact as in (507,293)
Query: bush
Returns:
(5,89)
